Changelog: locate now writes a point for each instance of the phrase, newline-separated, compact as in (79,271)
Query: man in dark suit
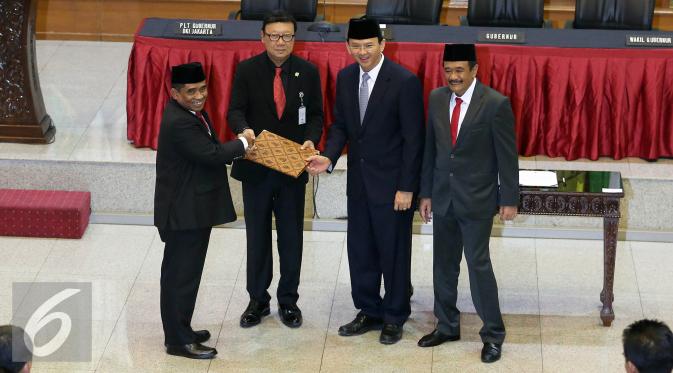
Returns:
(191,196)
(379,113)
(470,146)
(279,92)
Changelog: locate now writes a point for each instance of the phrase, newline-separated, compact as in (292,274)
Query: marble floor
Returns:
(549,289)
(548,293)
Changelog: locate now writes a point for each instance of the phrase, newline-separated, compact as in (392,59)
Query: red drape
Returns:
(568,102)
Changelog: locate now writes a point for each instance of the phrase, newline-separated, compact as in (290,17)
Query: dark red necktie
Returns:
(455,117)
(279,93)
(203,120)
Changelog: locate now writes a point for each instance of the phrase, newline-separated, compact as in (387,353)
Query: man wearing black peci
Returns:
(191,196)
(379,114)
(470,172)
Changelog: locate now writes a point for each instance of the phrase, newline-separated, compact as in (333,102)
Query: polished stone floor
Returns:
(549,292)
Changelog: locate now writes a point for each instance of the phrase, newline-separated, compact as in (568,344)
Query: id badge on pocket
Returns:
(302,115)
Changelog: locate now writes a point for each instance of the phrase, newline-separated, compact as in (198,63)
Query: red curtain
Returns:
(568,102)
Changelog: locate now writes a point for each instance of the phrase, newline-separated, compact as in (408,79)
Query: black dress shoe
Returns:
(192,351)
(491,352)
(254,313)
(390,334)
(201,336)
(290,315)
(436,338)
(360,325)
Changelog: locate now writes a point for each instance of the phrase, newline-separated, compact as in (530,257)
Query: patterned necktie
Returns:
(279,93)
(364,96)
(203,120)
(455,116)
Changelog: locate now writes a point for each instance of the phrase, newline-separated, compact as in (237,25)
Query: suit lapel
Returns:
(379,91)
(353,84)
(472,111)
(210,127)
(291,95)
(268,76)
(442,118)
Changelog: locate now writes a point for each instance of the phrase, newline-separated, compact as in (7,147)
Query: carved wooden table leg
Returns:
(610,227)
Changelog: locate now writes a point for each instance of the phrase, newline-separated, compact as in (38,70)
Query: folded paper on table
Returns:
(279,153)
(538,178)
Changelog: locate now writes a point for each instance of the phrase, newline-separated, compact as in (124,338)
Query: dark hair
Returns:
(15,349)
(177,86)
(472,64)
(648,344)
(279,16)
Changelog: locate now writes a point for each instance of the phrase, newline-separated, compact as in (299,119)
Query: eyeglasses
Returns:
(275,37)
(366,47)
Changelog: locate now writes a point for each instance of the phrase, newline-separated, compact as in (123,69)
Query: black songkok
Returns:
(459,52)
(187,73)
(363,28)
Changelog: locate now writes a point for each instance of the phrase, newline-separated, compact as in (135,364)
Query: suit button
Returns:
(362,160)
(451,174)
(452,156)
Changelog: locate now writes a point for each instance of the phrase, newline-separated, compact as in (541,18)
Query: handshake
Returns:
(249,135)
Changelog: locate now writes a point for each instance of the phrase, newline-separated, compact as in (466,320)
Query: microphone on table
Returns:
(323,27)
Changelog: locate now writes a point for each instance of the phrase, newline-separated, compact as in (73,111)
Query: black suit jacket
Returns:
(252,106)
(385,152)
(467,174)
(192,190)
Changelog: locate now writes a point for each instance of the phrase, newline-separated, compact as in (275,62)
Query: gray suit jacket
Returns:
(467,175)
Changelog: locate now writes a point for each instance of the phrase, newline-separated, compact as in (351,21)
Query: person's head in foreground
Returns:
(15,350)
(648,347)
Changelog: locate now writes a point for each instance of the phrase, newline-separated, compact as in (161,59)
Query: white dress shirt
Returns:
(373,74)
(466,97)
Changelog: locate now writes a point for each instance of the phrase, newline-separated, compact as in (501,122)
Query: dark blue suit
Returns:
(384,156)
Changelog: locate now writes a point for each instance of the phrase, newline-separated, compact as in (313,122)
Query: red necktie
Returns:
(455,116)
(279,93)
(203,120)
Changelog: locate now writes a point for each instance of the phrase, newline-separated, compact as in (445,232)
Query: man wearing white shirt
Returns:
(379,113)
(470,144)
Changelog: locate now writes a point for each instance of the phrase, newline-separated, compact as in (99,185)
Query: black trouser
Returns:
(181,269)
(451,235)
(379,240)
(285,199)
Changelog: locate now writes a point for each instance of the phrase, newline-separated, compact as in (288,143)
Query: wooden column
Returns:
(23,117)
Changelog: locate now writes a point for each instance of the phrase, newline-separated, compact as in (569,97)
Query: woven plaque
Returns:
(279,153)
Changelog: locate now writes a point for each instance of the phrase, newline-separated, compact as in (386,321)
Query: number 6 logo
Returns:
(41,317)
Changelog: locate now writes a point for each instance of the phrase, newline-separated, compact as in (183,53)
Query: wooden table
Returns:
(584,193)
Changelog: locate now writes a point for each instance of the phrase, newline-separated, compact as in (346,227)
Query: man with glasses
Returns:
(379,113)
(279,92)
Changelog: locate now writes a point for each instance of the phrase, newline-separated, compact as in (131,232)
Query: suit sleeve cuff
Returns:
(245,142)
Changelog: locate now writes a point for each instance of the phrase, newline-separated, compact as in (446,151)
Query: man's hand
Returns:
(403,200)
(308,144)
(425,209)
(249,135)
(508,212)
(317,164)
